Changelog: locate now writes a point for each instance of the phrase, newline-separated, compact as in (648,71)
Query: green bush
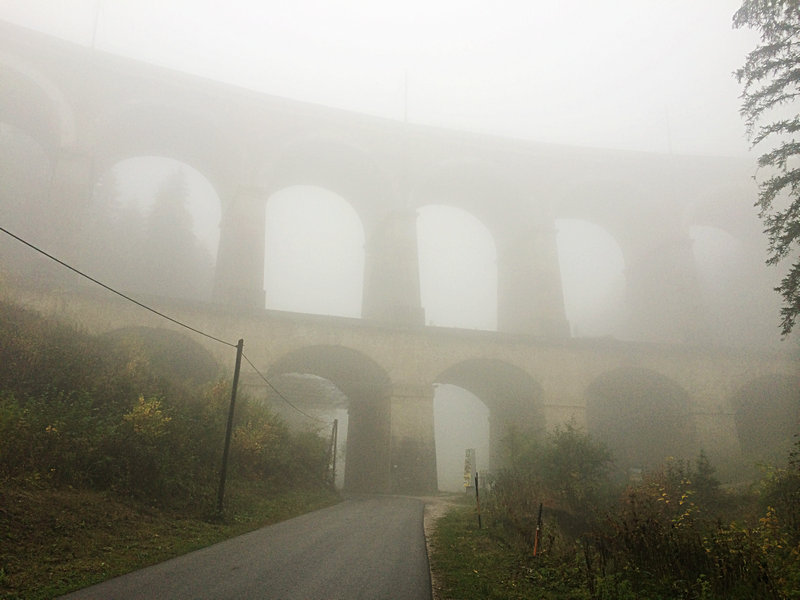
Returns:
(567,471)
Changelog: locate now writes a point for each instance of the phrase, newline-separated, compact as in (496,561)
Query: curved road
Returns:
(367,547)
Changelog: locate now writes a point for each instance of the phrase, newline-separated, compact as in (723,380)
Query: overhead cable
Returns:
(281,396)
(118,293)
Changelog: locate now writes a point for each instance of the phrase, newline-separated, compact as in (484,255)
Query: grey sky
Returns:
(652,75)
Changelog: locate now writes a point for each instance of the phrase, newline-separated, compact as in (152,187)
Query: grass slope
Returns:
(53,541)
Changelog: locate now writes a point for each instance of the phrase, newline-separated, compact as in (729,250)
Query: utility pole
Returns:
(224,471)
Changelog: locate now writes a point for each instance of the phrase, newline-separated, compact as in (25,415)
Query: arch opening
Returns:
(153,227)
(461,422)
(500,400)
(734,288)
(593,278)
(314,253)
(321,383)
(458,269)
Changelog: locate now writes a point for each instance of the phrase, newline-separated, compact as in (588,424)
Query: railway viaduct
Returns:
(87,111)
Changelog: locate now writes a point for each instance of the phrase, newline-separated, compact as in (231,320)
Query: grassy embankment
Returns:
(110,450)
(58,540)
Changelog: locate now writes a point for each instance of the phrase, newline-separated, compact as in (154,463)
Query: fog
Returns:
(633,75)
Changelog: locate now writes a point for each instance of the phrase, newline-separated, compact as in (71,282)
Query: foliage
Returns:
(567,471)
(663,539)
(110,413)
(780,494)
(472,563)
(673,535)
(771,82)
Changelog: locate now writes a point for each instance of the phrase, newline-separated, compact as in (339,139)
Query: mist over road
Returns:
(367,547)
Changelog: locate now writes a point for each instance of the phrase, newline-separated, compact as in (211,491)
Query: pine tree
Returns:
(175,262)
(771,84)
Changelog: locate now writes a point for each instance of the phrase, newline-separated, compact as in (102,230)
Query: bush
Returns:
(567,472)
(666,540)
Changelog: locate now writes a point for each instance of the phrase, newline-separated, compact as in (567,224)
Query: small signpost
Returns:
(470,468)
(471,476)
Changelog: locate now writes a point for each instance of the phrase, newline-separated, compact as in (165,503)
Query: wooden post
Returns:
(478,500)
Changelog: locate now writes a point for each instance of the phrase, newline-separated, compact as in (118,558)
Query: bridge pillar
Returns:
(391,272)
(663,294)
(530,298)
(239,278)
(413,440)
(368,461)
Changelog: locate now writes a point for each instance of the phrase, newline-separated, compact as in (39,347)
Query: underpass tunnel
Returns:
(323,383)
(496,401)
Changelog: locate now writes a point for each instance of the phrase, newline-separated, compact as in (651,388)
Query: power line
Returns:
(118,293)
(281,396)
(160,314)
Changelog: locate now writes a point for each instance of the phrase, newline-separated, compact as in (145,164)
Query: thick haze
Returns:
(633,74)
(654,76)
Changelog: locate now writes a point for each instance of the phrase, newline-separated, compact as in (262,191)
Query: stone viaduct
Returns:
(88,111)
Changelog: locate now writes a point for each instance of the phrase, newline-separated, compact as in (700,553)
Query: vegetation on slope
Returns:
(676,534)
(110,449)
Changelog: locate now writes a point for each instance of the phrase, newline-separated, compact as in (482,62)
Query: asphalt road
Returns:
(369,547)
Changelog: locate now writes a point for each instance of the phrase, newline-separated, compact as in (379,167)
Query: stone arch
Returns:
(458,268)
(729,208)
(150,129)
(529,294)
(592,266)
(316,232)
(144,208)
(735,286)
(367,388)
(332,162)
(643,416)
(35,104)
(660,280)
(479,187)
(515,400)
(768,417)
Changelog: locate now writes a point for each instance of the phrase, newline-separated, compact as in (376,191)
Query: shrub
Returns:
(567,472)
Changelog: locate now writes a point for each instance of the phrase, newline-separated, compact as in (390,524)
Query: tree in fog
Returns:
(24,173)
(174,262)
(771,84)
